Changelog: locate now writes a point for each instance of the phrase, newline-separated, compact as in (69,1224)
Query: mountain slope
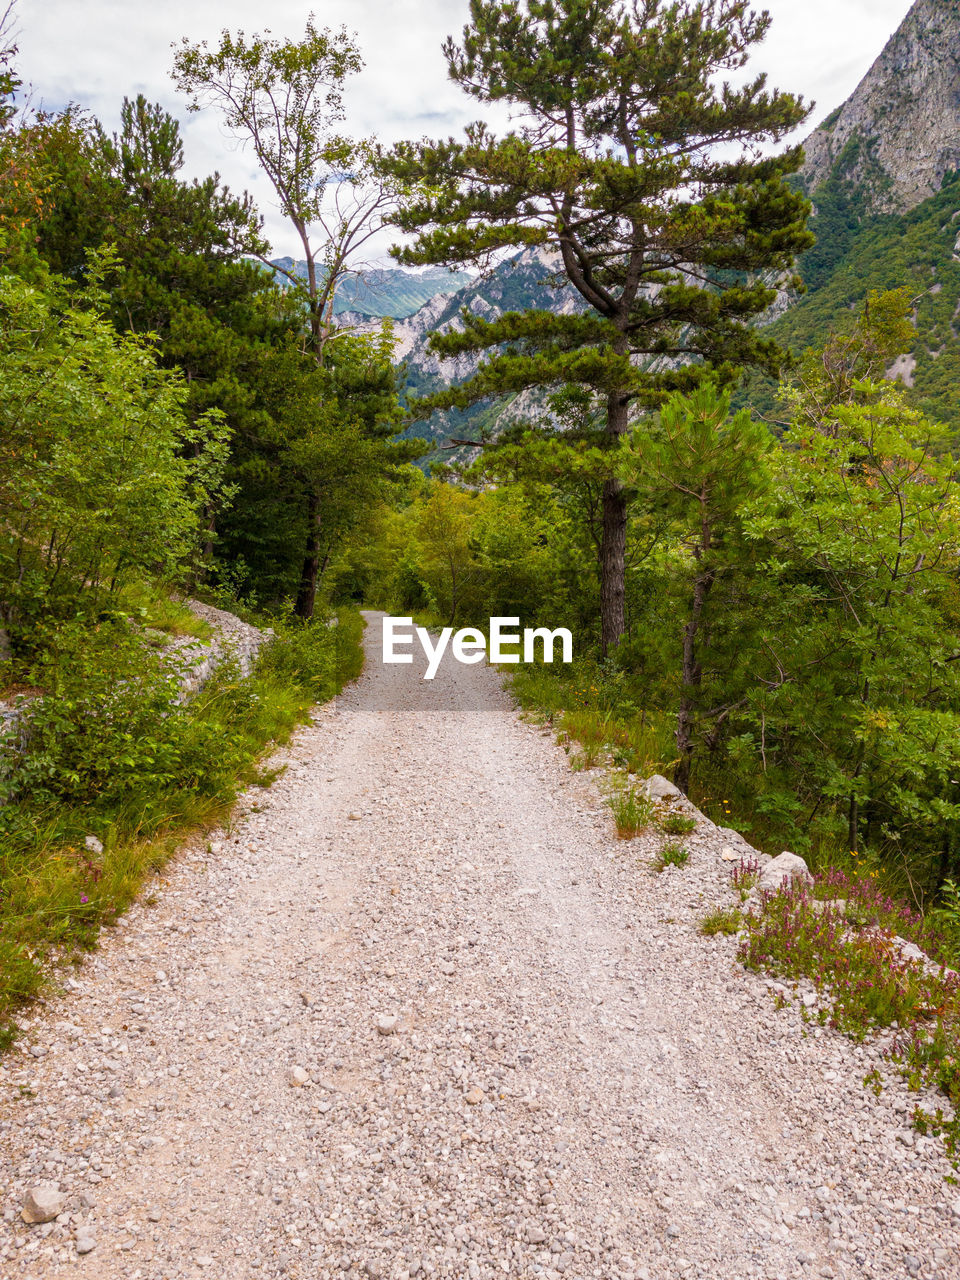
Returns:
(521,282)
(919,250)
(881,172)
(898,135)
(387,291)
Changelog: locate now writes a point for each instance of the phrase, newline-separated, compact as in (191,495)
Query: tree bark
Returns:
(853,823)
(613,560)
(307,595)
(613,540)
(692,679)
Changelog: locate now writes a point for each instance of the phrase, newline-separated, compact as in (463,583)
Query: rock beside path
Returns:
(231,639)
(783,870)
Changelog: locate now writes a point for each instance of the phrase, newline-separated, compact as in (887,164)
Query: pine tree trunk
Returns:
(613,541)
(613,560)
(207,558)
(692,680)
(307,595)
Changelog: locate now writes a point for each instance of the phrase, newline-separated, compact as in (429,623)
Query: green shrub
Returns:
(107,721)
(945,919)
(111,752)
(314,656)
(103,475)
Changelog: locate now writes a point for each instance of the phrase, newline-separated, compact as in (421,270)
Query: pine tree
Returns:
(703,467)
(643,176)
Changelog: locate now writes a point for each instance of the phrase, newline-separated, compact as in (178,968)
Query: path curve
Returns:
(577,1085)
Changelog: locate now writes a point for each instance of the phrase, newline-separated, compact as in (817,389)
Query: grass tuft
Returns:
(671,855)
(632,810)
(675,824)
(724,920)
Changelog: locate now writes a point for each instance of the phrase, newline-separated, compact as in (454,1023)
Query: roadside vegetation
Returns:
(112,773)
(866,955)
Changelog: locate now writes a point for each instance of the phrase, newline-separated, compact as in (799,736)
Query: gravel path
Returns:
(421,1014)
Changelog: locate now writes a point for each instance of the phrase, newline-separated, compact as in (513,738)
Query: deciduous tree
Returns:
(285,98)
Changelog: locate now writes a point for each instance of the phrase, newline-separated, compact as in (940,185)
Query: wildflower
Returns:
(84,898)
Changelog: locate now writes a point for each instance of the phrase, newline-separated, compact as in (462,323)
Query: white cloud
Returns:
(95,51)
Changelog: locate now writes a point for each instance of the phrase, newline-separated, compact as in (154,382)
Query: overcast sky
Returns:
(95,51)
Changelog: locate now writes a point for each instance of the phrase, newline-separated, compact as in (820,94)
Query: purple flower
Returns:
(84,898)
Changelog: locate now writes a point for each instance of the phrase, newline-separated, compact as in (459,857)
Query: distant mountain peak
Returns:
(386,291)
(898,135)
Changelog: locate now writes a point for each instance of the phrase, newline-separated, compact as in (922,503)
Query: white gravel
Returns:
(467,1034)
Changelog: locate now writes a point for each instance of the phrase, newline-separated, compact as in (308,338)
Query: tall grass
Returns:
(632,809)
(593,709)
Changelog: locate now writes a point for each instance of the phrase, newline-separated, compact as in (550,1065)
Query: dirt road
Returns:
(420,1013)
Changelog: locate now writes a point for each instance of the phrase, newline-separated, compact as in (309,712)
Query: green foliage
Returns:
(865,982)
(724,920)
(456,553)
(675,824)
(701,467)
(102,477)
(945,918)
(317,657)
(876,254)
(869,984)
(285,98)
(110,750)
(611,167)
(792,607)
(107,722)
(322,456)
(860,679)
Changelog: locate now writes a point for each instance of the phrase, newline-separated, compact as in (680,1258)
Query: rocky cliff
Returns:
(898,135)
(526,280)
(386,291)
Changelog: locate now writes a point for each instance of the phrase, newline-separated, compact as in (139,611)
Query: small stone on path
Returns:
(42,1204)
(86,1240)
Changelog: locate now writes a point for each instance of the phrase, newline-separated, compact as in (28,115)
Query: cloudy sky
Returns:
(95,51)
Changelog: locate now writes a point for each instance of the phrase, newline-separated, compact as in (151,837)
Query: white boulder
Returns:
(782,871)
